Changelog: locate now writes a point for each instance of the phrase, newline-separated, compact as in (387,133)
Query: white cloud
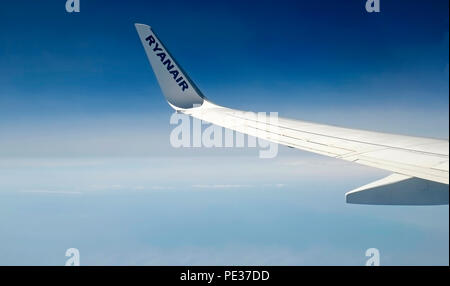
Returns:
(52,192)
(218,186)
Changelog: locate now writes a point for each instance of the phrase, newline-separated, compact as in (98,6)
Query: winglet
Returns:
(178,89)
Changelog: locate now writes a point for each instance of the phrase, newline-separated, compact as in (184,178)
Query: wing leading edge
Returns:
(420,165)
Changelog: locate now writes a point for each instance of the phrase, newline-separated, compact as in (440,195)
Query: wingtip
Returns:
(141,25)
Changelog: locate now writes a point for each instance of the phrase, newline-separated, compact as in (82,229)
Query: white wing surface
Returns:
(420,165)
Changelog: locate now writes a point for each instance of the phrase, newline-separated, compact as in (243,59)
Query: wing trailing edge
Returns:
(397,189)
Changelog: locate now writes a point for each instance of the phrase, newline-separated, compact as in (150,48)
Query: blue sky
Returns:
(84,131)
(295,53)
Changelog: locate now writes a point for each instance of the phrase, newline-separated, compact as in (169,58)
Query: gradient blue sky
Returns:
(85,159)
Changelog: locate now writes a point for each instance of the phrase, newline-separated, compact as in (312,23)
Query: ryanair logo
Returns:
(166,61)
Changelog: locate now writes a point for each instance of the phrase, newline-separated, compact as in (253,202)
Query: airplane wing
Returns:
(420,166)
